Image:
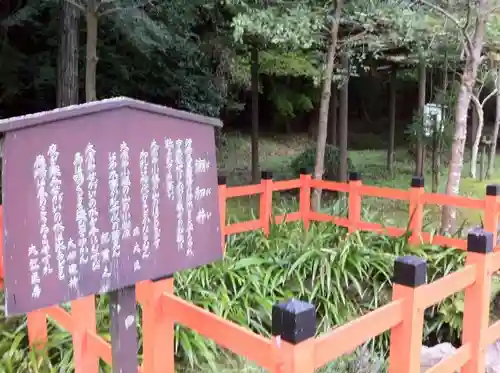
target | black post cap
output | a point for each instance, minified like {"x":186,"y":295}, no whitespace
{"x":417,"y":182}
{"x":304,"y":171}
{"x":354,"y":176}
{"x":410,"y":271}
{"x":493,"y":190}
{"x":221,"y":179}
{"x":480,"y":241}
{"x":266,"y":175}
{"x":294,"y":321}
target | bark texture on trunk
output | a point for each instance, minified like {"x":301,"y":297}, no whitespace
{"x":392,"y":121}
{"x":324,"y":105}
{"x":343,"y":120}
{"x":474,"y":121}
{"x":478,"y":109}
{"x":67,"y":59}
{"x":496,"y":128}
{"x":469,"y":75}
{"x":419,"y":164}
{"x":333,"y":115}
{"x":255,"y":114}
{"x":91,"y":58}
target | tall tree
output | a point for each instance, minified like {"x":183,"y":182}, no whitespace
{"x":496,"y":128}
{"x":325,"y":102}
{"x":258,"y":26}
{"x":67,"y":59}
{"x":255,"y":114}
{"x":473,"y":45}
{"x":478,"y":107}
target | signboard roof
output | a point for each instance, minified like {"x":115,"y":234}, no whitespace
{"x":68,"y":112}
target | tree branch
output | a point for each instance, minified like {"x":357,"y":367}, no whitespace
{"x":493,"y":10}
{"x":492,"y":93}
{"x":477,"y":104}
{"x":117,"y":8}
{"x":77,"y":4}
{"x":463,"y":30}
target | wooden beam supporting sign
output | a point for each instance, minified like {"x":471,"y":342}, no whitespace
{"x":123,"y":312}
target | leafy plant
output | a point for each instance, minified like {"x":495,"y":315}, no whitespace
{"x":332,"y":161}
{"x":343,"y":275}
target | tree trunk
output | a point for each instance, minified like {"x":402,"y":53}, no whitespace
{"x":419,"y":165}
{"x":478,"y":108}
{"x":392,"y":120}
{"x":324,"y":105}
{"x":343,"y":120}
{"x":473,"y":59}
{"x":494,"y":136}
{"x":255,"y":114}
{"x":474,"y":122}
{"x":67,"y":59}
{"x":91,"y":61}
{"x":333,"y":115}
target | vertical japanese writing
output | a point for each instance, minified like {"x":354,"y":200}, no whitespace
{"x":36,"y":289}
{"x":200,"y":193}
{"x":169,"y":145}
{"x":81,"y":214}
{"x":202,"y":216}
{"x":155,"y":192}
{"x":92,"y":212}
{"x":188,"y":153}
{"x":144,"y":167}
{"x":179,"y":169}
{"x":57,"y":198}
{"x":114,"y":207}
{"x":40,"y":176}
{"x":73,"y":269}
{"x":125,"y":190}
{"x":201,"y":165}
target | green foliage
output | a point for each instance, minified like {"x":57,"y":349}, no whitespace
{"x":284,"y":23}
{"x":343,"y":275}
{"x":307,"y":160}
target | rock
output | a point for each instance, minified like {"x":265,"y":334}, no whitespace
{"x":493,"y":358}
{"x":430,"y":356}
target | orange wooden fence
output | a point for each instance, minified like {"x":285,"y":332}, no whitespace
{"x":293,"y":347}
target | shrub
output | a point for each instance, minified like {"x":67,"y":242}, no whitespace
{"x":343,"y":275}
{"x":307,"y":159}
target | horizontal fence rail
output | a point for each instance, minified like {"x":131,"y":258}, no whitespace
{"x":294,"y":346}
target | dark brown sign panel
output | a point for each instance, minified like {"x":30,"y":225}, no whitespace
{"x":100,"y":196}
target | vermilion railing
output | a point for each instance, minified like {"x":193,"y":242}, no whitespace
{"x":293,"y":347}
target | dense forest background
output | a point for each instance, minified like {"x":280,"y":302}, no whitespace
{"x":187,"y":59}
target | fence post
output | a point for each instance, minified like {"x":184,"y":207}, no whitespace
{"x":410,"y":272}
{"x":222,"y":186}
{"x":37,"y":329}
{"x":354,"y":213}
{"x":305,"y":197}
{"x":84,"y":317}
{"x":158,"y":328}
{"x":491,"y":210}
{"x":293,"y":329}
{"x":477,"y":300}
{"x":266,"y":200}
{"x":416,"y":209}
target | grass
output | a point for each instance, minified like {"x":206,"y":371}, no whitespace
{"x":277,"y":152}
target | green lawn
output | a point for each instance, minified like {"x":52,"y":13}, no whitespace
{"x":276,"y":153}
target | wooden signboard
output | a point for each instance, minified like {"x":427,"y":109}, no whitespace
{"x":100,"y":196}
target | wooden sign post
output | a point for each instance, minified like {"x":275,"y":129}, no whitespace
{"x":100,"y":196}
